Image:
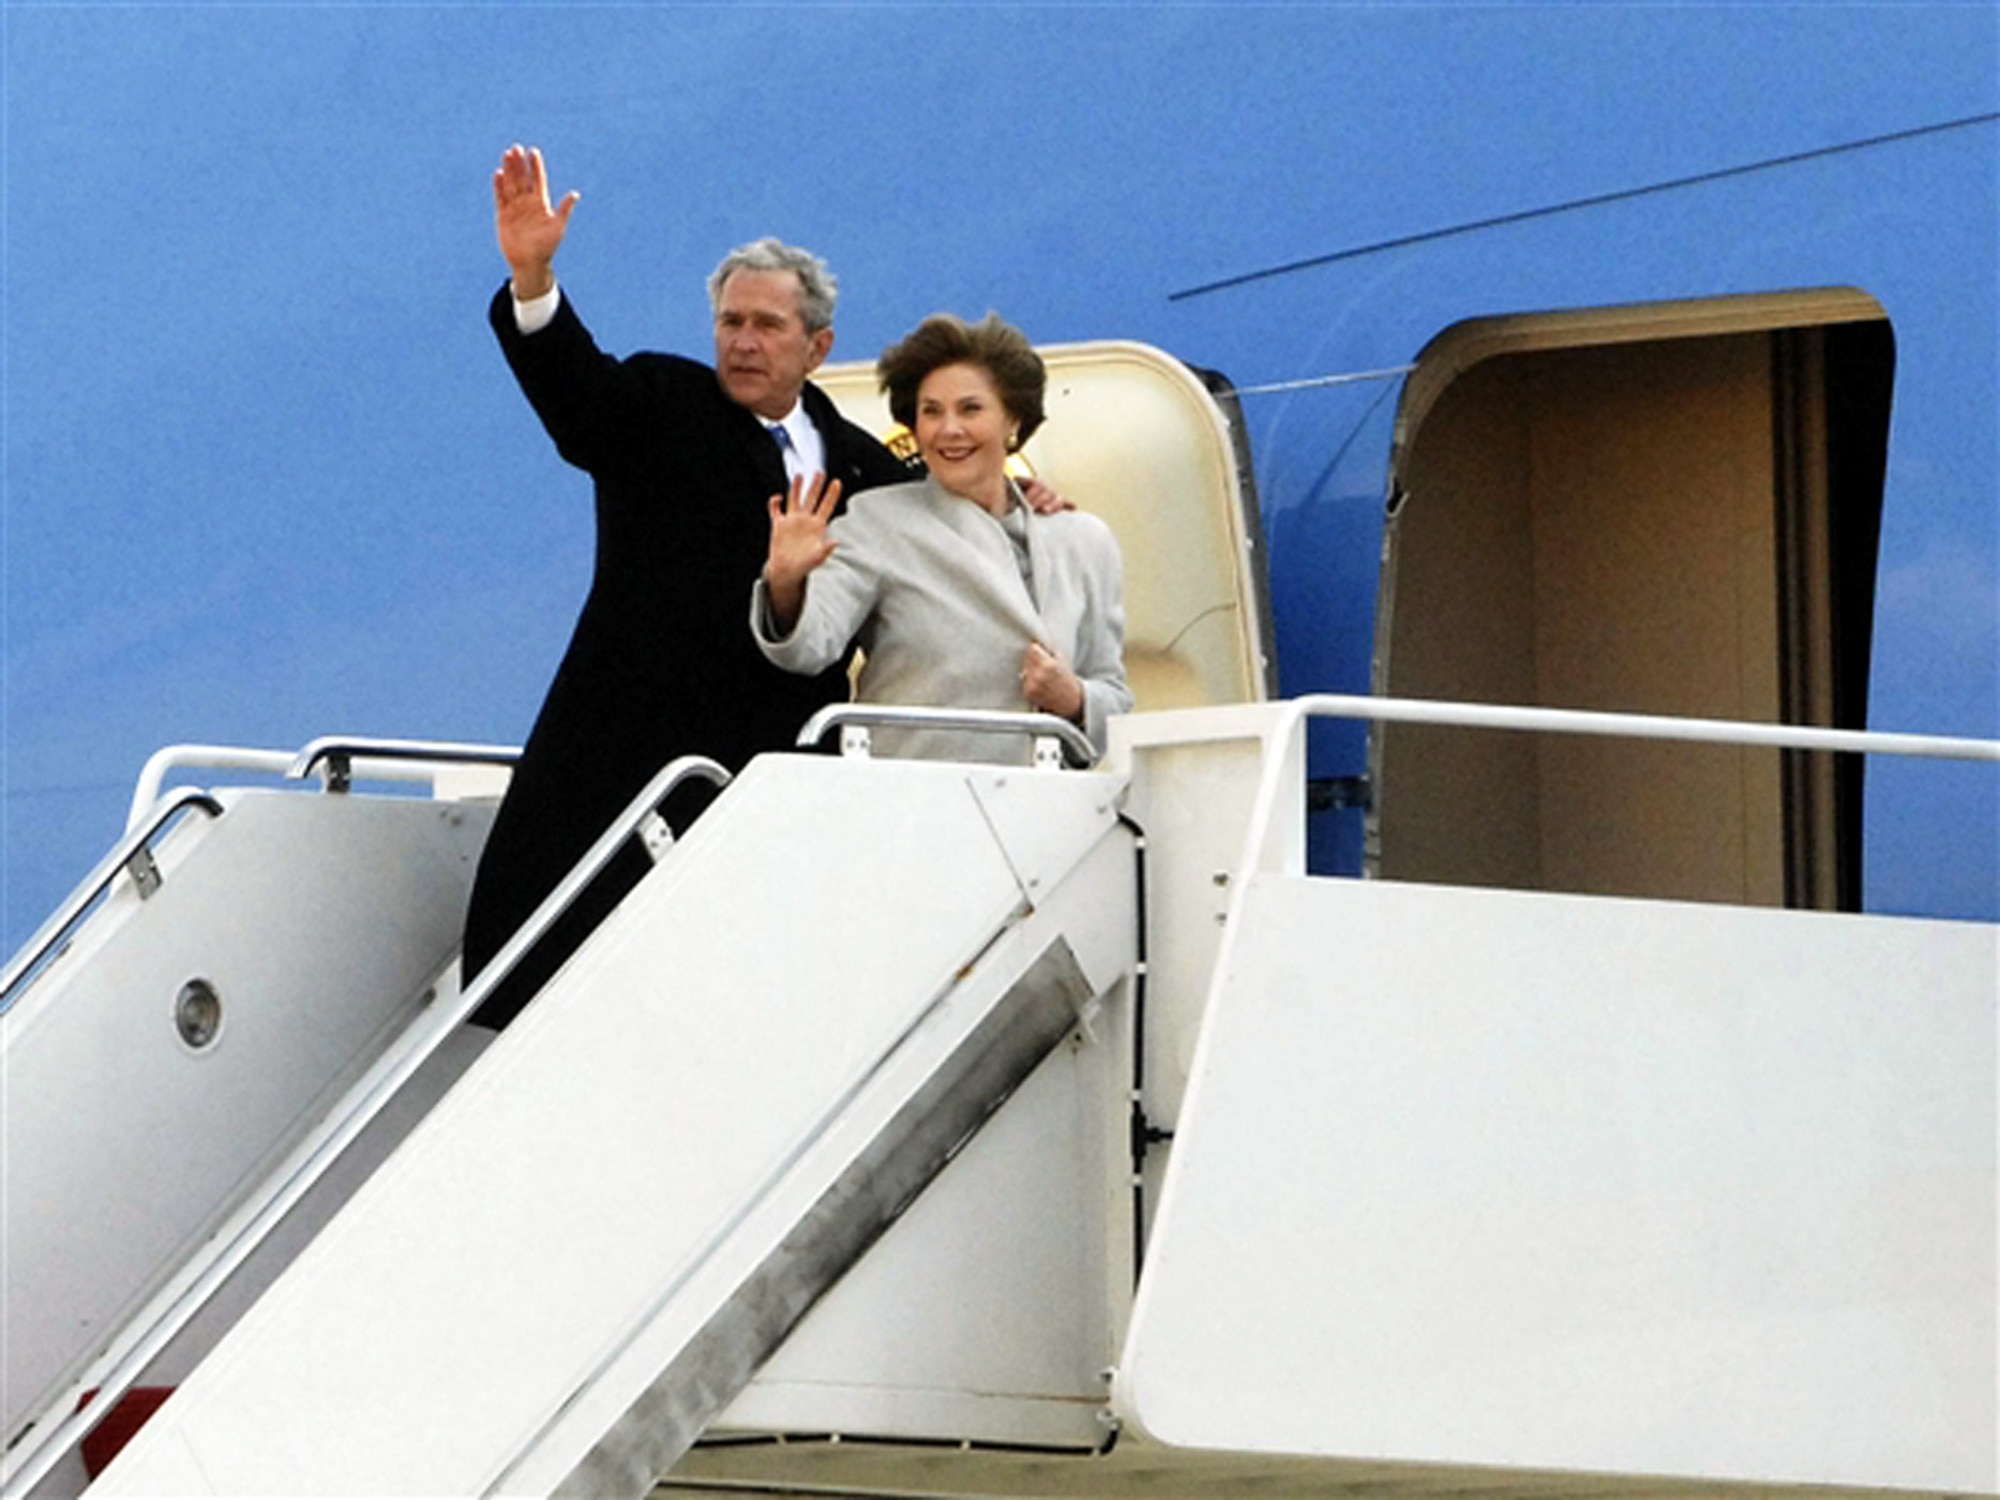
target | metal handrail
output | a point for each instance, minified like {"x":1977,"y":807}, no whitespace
{"x":25,"y":1469}
{"x":170,"y":758}
{"x":1294,"y":713}
{"x":1078,"y":751}
{"x":1640,"y":726}
{"x":341,"y":751}
{"x":387,"y":760}
{"x":123,"y":855}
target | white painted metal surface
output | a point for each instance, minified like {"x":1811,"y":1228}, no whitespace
{"x":1624,"y":1221}
{"x":991,"y":1310}
{"x":320,"y":923}
{"x":510,"y":1266}
{"x":1202,"y":788}
{"x":258,"y":1238}
{"x":1485,"y":1178}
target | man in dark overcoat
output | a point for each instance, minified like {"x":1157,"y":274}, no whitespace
{"x":684,"y":458}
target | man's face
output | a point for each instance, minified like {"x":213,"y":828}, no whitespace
{"x":763,"y":352}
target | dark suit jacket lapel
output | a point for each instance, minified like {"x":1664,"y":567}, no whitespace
{"x":762,"y":451}
{"x":834,"y":433}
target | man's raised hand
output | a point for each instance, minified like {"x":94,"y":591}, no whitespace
{"x":529,"y":230}
{"x":1043,"y":500}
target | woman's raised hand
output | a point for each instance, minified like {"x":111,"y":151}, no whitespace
{"x":799,"y":544}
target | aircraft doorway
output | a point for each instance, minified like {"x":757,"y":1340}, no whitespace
{"x":1670,"y":509}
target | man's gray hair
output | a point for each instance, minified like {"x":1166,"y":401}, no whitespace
{"x":817,"y":286}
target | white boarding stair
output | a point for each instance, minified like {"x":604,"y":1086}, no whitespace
{"x":585,"y":1251}
{"x":177,"y":1033}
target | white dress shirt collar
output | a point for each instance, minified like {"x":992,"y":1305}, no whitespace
{"x":806,"y":453}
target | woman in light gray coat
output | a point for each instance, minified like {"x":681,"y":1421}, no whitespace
{"x":958,"y":593}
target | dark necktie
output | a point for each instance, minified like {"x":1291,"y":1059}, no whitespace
{"x":788,"y":451}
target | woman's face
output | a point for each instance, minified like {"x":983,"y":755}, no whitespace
{"x":962,"y":432}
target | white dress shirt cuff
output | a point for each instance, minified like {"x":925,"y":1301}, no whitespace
{"x":537,"y":313}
